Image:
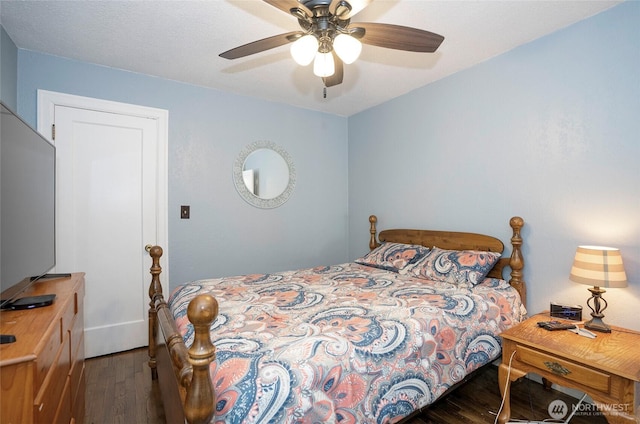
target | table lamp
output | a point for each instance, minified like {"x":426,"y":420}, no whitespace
{"x":598,"y":267}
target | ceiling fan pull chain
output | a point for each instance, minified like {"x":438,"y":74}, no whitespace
{"x":324,"y":92}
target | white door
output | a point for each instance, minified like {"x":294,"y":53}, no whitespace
{"x":108,"y":209}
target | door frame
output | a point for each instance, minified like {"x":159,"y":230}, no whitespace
{"x":48,"y":100}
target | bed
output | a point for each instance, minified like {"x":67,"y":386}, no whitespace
{"x":374,"y":340}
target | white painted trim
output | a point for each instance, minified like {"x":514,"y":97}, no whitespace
{"x":48,"y":100}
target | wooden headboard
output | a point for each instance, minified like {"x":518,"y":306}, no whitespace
{"x":453,"y":240}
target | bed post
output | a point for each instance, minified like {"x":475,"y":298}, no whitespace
{"x":516,"y":262}
{"x":201,"y":399}
{"x":373,"y":241}
{"x":155,"y":288}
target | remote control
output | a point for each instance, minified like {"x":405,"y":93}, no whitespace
{"x":555,"y":325}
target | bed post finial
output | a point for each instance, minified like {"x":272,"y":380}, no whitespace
{"x":516,"y":263}
{"x":200,"y":399}
{"x":373,"y":241}
{"x":155,"y":288}
{"x":156,"y":253}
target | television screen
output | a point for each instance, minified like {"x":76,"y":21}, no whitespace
{"x":27,"y":205}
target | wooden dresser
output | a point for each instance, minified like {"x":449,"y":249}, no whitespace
{"x":42,"y":373}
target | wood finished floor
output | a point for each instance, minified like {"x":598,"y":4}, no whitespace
{"x":120,"y":390}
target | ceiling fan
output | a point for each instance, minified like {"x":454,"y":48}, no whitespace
{"x":327,"y":38}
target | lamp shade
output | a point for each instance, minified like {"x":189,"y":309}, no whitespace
{"x":323,"y":65}
{"x":304,"y":49}
{"x":347,"y":48}
{"x":598,"y":266}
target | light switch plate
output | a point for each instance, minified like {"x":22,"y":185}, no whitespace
{"x":185,"y":211}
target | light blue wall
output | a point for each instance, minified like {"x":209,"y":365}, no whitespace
{"x":8,"y":70}
{"x":549,"y":131}
{"x":559,"y":117}
{"x":207,"y":130}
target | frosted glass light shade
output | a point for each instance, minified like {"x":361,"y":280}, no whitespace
{"x":324,"y":65}
{"x":598,"y":266}
{"x":304,"y":49}
{"x":347,"y":48}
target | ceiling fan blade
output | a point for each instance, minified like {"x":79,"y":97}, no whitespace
{"x":346,"y":9}
{"x":287,"y":5}
{"x":336,"y":78}
{"x":261,"y":45}
{"x":399,"y":37}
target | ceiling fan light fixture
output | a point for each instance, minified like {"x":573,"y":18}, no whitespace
{"x":324,"y":65}
{"x":304,"y":49}
{"x":347,"y":48}
{"x":325,"y":28}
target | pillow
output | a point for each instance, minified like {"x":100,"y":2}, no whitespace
{"x":393,"y":256}
{"x":454,"y":266}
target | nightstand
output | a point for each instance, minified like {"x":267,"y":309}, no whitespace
{"x":606,"y":368}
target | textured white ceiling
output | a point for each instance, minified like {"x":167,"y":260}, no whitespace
{"x":181,"y":40}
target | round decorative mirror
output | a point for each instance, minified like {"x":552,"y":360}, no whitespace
{"x":264,"y":174}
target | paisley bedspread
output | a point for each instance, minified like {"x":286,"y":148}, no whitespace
{"x":345,"y":343}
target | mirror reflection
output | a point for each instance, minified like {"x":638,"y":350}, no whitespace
{"x":264,"y":174}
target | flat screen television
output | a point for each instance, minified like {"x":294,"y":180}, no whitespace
{"x":27,"y":205}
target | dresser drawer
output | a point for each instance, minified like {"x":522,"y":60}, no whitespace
{"x":77,"y":337}
{"x":77,"y":367}
{"x":597,"y":380}
{"x":63,"y":414}
{"x":47,"y":356}
{"x":78,"y":393}
{"x":78,"y":407}
{"x":72,"y":310}
{"x":47,"y":400}
{"x":68,"y":316}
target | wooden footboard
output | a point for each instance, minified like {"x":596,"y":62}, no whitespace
{"x":183,"y":375}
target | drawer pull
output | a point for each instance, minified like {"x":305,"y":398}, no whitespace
{"x":556,"y":368}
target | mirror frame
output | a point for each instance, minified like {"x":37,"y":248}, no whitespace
{"x":242,"y":189}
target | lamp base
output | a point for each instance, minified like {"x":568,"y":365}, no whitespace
{"x":597,"y":324}
{"x":599,"y":305}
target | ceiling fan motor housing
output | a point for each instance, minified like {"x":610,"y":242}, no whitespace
{"x":312,"y":4}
